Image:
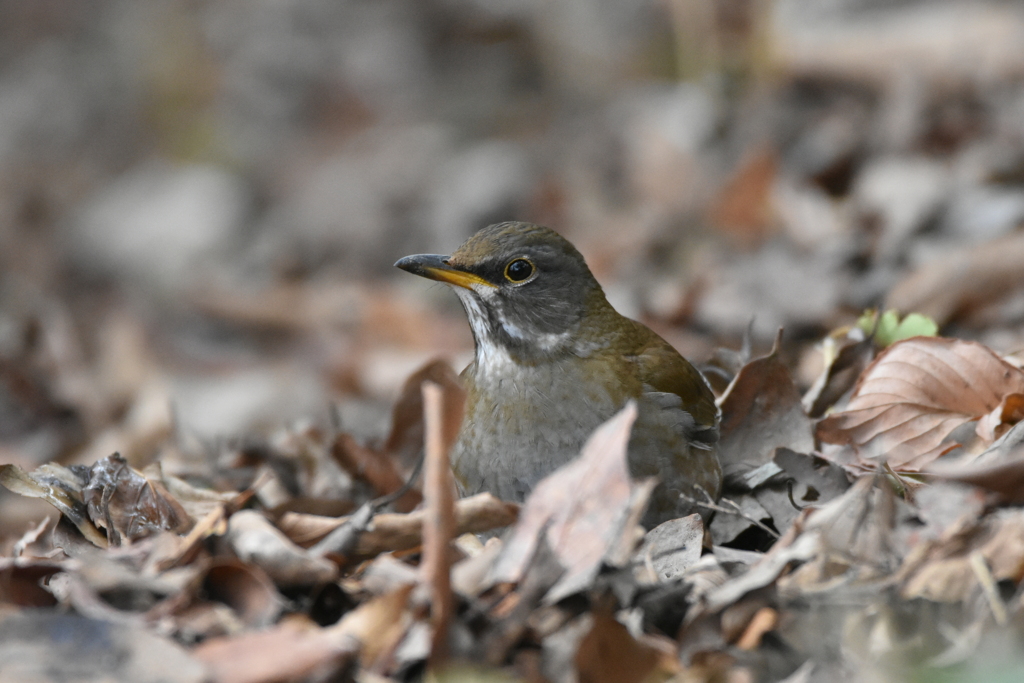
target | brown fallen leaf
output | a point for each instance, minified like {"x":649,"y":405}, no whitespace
{"x":375,"y":468}
{"x":743,"y":208}
{"x":581,"y":508}
{"x":1003,"y":476}
{"x":245,"y":588}
{"x":761,"y":411}
{"x":405,"y":441}
{"x":386,"y":469}
{"x":854,"y":538}
{"x":848,"y":362}
{"x":671,"y":548}
{"x":763,"y":621}
{"x":127,"y":504}
{"x":1009,"y":412}
{"x":377,"y":626}
{"x":20,"y":581}
{"x":110,"y":495}
{"x":214,"y":523}
{"x":912,"y":397}
{"x":610,"y":654}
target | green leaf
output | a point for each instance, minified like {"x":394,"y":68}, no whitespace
{"x":885,"y":334}
{"x":889,"y":329}
{"x":916,"y":325}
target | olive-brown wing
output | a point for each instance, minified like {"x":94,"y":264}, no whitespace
{"x":664,"y":369}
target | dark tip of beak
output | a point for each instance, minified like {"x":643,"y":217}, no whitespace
{"x":417,"y":264}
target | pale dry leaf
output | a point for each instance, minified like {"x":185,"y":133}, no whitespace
{"x":996,"y":423}
{"x":1000,"y":469}
{"x":60,"y":488}
{"x":580,"y":507}
{"x":672,"y":547}
{"x":376,"y":626}
{"x":254,"y":539}
{"x":285,"y":652}
{"x":912,"y":397}
{"x":42,"y":645}
{"x":947,"y":576}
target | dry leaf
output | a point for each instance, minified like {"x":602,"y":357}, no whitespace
{"x":949,"y":576}
{"x":761,"y":411}
{"x":20,"y":581}
{"x":286,"y":652}
{"x":915,"y":394}
{"x":128,"y":504}
{"x":59,"y":487}
{"x":996,"y":423}
{"x":1004,"y":478}
{"x":581,"y":507}
{"x":672,"y":547}
{"x":254,"y":539}
{"x":377,"y":625}
{"x":375,"y":468}
{"x":405,"y":442}
{"x":841,"y":374}
{"x":609,"y":654}
{"x":37,"y":645}
{"x":245,"y":588}
{"x":743,"y":208}
{"x":947,"y":286}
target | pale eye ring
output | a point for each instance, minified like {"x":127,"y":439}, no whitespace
{"x":518,"y":270}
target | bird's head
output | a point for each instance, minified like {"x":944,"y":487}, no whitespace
{"x":526,"y":289}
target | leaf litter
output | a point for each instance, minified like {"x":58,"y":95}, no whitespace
{"x":839,"y":164}
{"x":248,"y":587}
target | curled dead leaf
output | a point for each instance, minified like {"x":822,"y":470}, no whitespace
{"x":245,"y":588}
{"x":912,"y":397}
{"x":59,"y":487}
{"x":254,"y":539}
{"x":127,"y":504}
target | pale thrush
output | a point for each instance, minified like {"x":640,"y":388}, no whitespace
{"x":553,"y":361}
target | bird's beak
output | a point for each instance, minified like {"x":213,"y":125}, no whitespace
{"x":435,"y":267}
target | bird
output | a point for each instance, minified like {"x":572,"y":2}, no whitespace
{"x":553,"y":360}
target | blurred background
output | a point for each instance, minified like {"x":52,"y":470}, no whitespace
{"x":201,"y":200}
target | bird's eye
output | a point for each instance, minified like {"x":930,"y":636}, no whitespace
{"x":518,"y":270}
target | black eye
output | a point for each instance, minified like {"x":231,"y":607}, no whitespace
{"x":518,"y":270}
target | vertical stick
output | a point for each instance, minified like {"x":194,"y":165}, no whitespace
{"x":439,"y":524}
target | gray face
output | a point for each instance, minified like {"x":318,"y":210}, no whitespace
{"x":540,"y":287}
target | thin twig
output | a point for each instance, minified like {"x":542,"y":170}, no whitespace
{"x":732,"y":509}
{"x":439,"y":524}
